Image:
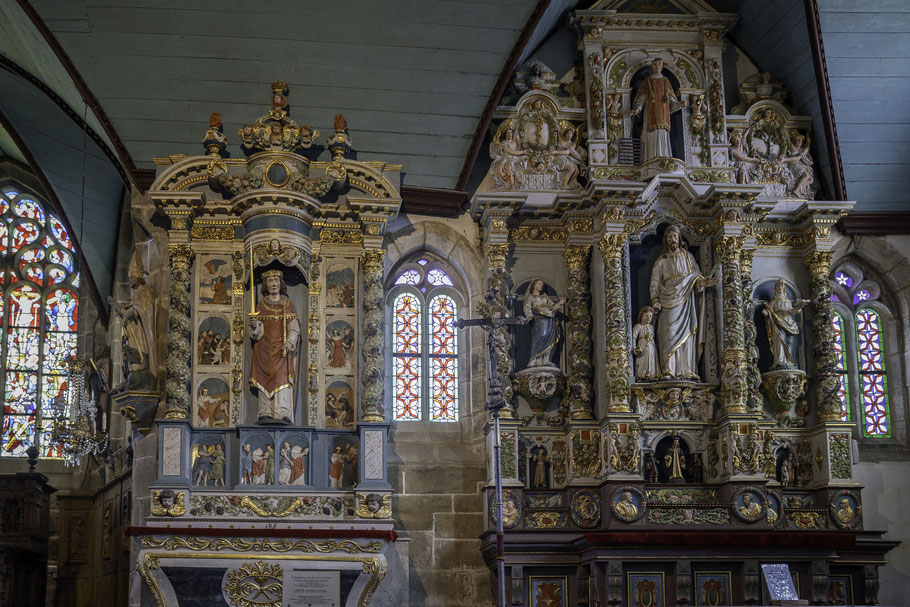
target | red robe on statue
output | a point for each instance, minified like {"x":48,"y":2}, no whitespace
{"x":270,"y":370}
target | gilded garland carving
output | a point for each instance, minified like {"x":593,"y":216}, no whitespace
{"x":827,"y":380}
{"x":313,"y":338}
{"x":340,"y":237}
{"x":202,"y":232}
{"x":538,"y":233}
{"x":734,"y":386}
{"x":617,"y":347}
{"x":371,"y":327}
{"x":177,"y":394}
{"x":218,"y":544}
{"x":754,"y":402}
{"x":495,"y":307}
{"x":596,"y":96}
{"x":579,"y":392}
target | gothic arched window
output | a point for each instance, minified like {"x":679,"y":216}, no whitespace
{"x":40,"y":311}
{"x":859,"y":327}
{"x":423,"y":305}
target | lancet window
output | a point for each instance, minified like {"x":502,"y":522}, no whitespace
{"x":40,"y":311}
{"x":859,"y":323}
{"x":424,"y":307}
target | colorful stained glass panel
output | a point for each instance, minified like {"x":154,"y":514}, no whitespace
{"x":442,"y":326}
{"x":61,"y":258}
{"x":22,"y":349}
{"x":53,"y":387}
{"x":24,"y":304}
{"x":407,"y":324}
{"x":55,"y":275}
{"x":24,"y":233}
{"x":62,"y":311}
{"x":60,"y":232}
{"x":26,"y":207}
{"x":437,"y":277}
{"x":407,"y":388}
{"x":408,"y":277}
{"x":443,"y":388}
{"x":843,"y":393}
{"x":46,"y":445}
{"x":18,"y":434}
{"x":58,"y":347}
{"x":872,"y":373}
{"x":21,"y":392}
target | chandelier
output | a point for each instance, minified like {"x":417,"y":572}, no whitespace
{"x":75,"y":418}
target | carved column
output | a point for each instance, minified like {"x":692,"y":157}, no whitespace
{"x":496,"y":255}
{"x":826,"y":376}
{"x":177,"y":395}
{"x":617,"y":341}
{"x":371,"y":326}
{"x":754,"y":402}
{"x":579,"y":391}
{"x":734,"y":387}
{"x":313,"y":339}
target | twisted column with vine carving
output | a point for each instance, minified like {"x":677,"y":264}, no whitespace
{"x":826,"y":376}
{"x":618,"y":370}
{"x":734,"y":383}
{"x":754,"y":403}
{"x":177,"y":393}
{"x":496,"y":255}
{"x":371,"y":405}
{"x":579,"y":390}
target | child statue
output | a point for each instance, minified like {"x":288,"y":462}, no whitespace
{"x":646,"y":363}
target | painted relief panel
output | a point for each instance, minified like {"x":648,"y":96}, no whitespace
{"x":209,"y":461}
{"x":339,"y":405}
{"x":339,"y":286}
{"x":257,"y":459}
{"x":213,"y":342}
{"x":213,"y":403}
{"x":343,"y":463}
{"x":293,"y":456}
{"x":339,"y":346}
{"x":215,"y":281}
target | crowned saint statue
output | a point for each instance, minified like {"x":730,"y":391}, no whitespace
{"x":780,"y":319}
{"x":656,"y":100}
{"x":275,"y":331}
{"x":675,"y":279}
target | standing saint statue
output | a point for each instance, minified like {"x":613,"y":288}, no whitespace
{"x":675,"y":278}
{"x":540,"y":310}
{"x":656,"y":98}
{"x":780,"y":319}
{"x":275,"y":331}
{"x":138,"y":318}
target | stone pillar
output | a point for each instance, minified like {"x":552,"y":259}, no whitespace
{"x":579,"y":391}
{"x":618,"y":369}
{"x":826,"y":376}
{"x":371,"y":405}
{"x":495,"y":255}
{"x":734,"y":388}
{"x":177,"y":395}
{"x":754,"y":403}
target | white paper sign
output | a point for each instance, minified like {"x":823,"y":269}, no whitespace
{"x":311,"y":588}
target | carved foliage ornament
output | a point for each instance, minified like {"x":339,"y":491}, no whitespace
{"x":255,"y":585}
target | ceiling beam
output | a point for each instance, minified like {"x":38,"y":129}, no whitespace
{"x":824,"y":98}
{"x":125,"y":160}
{"x":57,"y":208}
{"x":875,"y":223}
{"x":496,"y":95}
{"x":432,"y":201}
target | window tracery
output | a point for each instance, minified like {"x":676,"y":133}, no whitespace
{"x":425,"y":375}
{"x":865,"y":380}
{"x":40,"y":312}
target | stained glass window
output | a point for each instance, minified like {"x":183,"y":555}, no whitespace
{"x":866,"y":384}
{"x":843,"y":389}
{"x":407,"y":359}
{"x":874,"y":384}
{"x":40,"y":311}
{"x":443,"y":359}
{"x":425,"y":344}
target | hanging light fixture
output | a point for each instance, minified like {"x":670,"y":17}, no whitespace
{"x":75,"y":428}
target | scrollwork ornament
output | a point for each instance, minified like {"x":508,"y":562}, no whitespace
{"x":255,"y":585}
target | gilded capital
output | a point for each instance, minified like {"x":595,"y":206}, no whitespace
{"x":819,"y":262}
{"x":728,"y":248}
{"x":181,"y":254}
{"x":496,"y":255}
{"x":611,"y":245}
{"x":372,"y":260}
{"x":577,"y":256}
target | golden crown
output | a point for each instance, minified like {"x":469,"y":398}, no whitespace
{"x":271,"y":273}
